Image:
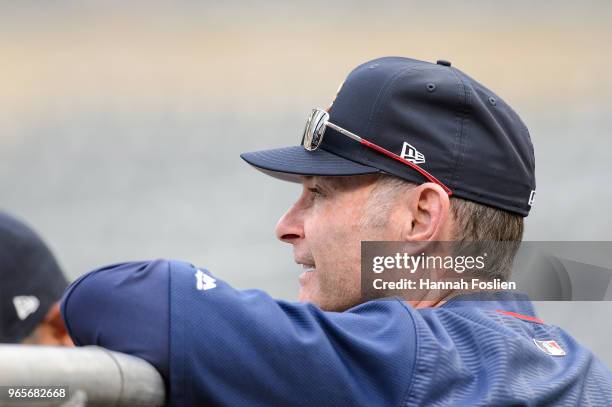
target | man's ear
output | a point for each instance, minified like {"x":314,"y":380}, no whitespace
{"x":429,"y":208}
{"x":58,"y":330}
{"x":51,"y":331}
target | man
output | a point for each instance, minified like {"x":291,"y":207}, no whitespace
{"x":409,"y":151}
{"x":31,"y":284}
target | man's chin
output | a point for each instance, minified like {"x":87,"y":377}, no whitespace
{"x":326,"y":304}
{"x":305,"y":296}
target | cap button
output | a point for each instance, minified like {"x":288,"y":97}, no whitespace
{"x":443,"y":62}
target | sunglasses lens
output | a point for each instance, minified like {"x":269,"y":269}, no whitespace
{"x":315,"y":127}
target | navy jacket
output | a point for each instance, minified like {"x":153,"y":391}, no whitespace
{"x":215,"y":345}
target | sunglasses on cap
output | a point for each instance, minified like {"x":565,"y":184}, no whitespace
{"x":318,"y":122}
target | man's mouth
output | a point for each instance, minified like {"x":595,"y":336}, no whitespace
{"x":309,"y":272}
{"x":308,"y":268}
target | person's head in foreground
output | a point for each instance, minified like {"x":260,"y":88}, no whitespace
{"x":31,"y":285}
{"x":408,"y":151}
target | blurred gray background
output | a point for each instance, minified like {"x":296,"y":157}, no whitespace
{"x":121,"y":124}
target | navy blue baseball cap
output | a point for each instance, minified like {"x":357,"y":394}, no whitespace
{"x":431,"y":115}
{"x":31,"y":280}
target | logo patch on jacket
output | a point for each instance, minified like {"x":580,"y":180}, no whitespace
{"x":204,"y":281}
{"x":551,"y":348}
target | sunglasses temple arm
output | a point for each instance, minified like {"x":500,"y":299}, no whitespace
{"x":391,"y":155}
{"x":345,"y":132}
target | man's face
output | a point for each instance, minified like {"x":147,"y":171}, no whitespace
{"x":326,"y":226}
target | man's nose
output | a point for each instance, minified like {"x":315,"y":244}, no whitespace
{"x":290,"y":227}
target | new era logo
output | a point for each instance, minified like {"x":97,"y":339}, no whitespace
{"x":531,"y":198}
{"x":412,"y":154}
{"x":25,"y":305}
{"x":551,"y":348}
{"x":204,"y":281}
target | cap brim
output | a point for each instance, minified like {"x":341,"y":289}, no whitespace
{"x":292,"y":163}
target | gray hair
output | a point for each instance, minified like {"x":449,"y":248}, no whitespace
{"x":473,"y":222}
